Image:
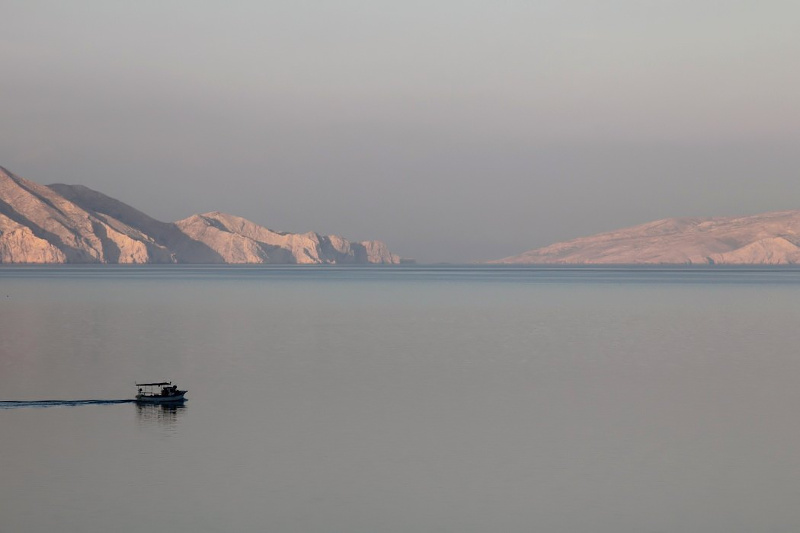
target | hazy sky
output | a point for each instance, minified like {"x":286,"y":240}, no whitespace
{"x":452,"y":130}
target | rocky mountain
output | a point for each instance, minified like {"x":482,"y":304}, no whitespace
{"x":238,"y":240}
{"x":765,"y":239}
{"x":74,"y":224}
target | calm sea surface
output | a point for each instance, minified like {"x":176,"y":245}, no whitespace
{"x":407,"y":399}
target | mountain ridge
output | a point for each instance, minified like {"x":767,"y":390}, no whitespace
{"x":61,"y":223}
{"x":771,"y":238}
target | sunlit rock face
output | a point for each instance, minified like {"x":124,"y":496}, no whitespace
{"x":39,"y":225}
{"x":765,"y":239}
{"x":18,"y":244}
{"x":74,"y":224}
{"x":238,"y":240}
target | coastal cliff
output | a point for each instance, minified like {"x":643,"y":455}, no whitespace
{"x":74,"y":224}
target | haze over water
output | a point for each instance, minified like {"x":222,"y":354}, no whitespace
{"x":458,"y":399}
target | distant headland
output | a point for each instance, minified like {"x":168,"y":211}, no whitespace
{"x":74,"y":224}
{"x":765,"y":239}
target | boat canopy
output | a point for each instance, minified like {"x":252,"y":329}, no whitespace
{"x":154,"y":384}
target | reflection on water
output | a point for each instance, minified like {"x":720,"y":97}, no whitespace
{"x":163,"y":414}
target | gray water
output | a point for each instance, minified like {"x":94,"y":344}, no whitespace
{"x":370,"y":400}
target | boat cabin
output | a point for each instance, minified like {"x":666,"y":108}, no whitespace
{"x":159,"y":392}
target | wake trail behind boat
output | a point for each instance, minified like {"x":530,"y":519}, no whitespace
{"x":13,"y":404}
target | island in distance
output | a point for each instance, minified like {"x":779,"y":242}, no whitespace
{"x":74,"y":224}
{"x":765,"y":239}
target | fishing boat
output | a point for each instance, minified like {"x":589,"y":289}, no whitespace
{"x":161,"y":392}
